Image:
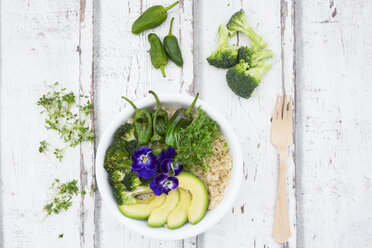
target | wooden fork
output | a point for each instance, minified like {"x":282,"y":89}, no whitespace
{"x":281,"y":137}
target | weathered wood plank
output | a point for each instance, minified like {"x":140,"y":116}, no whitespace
{"x":87,"y":154}
{"x":250,"y":220}
{"x":39,"y":41}
{"x":334,"y":100}
{"x":289,"y":67}
{"x":39,"y":46}
{"x":123,"y":67}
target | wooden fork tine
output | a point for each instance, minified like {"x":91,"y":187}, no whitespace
{"x":280,"y":117}
{"x":275,"y":115}
{"x":290,"y":108}
{"x":285,"y":108}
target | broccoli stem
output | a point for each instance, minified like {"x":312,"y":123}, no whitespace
{"x":223,"y":33}
{"x":126,"y":164}
{"x":171,"y":6}
{"x":259,"y":70}
{"x":258,"y":42}
{"x":232,"y":33}
{"x":262,"y":54}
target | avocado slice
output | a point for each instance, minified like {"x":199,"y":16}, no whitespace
{"x":199,"y":196}
{"x":143,"y":209}
{"x":159,"y":215}
{"x":178,"y":216}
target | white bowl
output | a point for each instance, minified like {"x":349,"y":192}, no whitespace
{"x":212,"y":217}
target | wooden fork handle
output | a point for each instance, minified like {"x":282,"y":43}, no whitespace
{"x":281,"y":230}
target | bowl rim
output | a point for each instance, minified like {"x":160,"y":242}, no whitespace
{"x":215,"y":215}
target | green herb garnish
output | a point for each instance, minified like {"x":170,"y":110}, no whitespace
{"x":62,"y":194}
{"x":60,"y":236}
{"x":66,"y":117}
{"x":59,"y":152}
{"x":43,"y":146}
{"x":194,"y":143}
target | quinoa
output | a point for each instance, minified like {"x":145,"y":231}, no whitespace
{"x":217,"y":177}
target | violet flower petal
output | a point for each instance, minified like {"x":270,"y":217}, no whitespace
{"x":160,"y":180}
{"x":178,"y":169}
{"x":155,"y":188}
{"x":146,"y":173}
{"x":139,"y":151}
{"x":172,"y":183}
{"x":144,"y":158}
{"x":169,"y":153}
{"x":136,"y":165}
{"x":151,"y":162}
{"x":166,"y":190}
{"x":165,"y":165}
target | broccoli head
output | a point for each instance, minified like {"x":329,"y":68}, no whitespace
{"x":131,"y":181}
{"x":122,"y":196}
{"x":131,"y":146}
{"x":125,"y":132}
{"x":118,"y":155}
{"x":224,"y":56}
{"x":252,"y":56}
{"x":117,"y":176}
{"x":243,"y":80}
{"x":238,"y":22}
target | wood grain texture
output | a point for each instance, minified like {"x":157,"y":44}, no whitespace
{"x":334,"y":123}
{"x":39,"y":42}
{"x":87,"y":150}
{"x":323,"y":56}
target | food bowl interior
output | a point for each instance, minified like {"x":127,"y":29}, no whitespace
{"x":212,"y":216}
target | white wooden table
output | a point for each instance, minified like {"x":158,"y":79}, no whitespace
{"x":323,"y":57}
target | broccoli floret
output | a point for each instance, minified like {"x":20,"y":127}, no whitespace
{"x":125,"y":132}
{"x":238,"y":22}
{"x":243,"y":80}
{"x":252,"y":57}
{"x":122,"y":196}
{"x":224,"y":56}
{"x":118,"y":155}
{"x":131,"y":181}
{"x":131,"y":146}
{"x":117,"y":176}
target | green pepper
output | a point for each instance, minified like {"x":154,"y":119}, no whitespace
{"x":142,"y":124}
{"x":158,"y":56}
{"x":172,"y":48}
{"x":157,"y":141}
{"x":151,"y":18}
{"x":161,"y":116}
{"x":180,"y":119}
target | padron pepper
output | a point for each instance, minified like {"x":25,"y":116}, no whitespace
{"x":157,"y":53}
{"x":142,"y":124}
{"x":160,"y":116}
{"x":157,"y":141}
{"x":151,"y":18}
{"x":180,"y":119}
{"x":172,"y":48}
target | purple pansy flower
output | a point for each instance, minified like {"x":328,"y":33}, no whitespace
{"x":167,"y":164}
{"x":163,"y":184}
{"x":169,"y":153}
{"x":144,"y":162}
